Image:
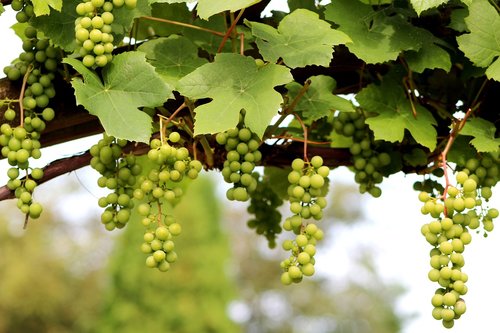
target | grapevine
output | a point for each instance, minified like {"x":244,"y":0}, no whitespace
{"x":234,"y":78}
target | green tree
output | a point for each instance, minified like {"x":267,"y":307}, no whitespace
{"x":50,"y":281}
{"x":193,"y":296}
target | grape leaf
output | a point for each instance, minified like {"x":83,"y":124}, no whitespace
{"x":124,"y":18}
{"x":429,"y":56}
{"x":59,"y":26}
{"x":1,"y":9}
{"x":295,"y":42}
{"x":172,"y":57}
{"x":394,"y":114}
{"x":207,"y":8}
{"x":318,"y":101}
{"x":234,"y":82}
{"x":482,"y":44}
{"x":423,"y":5}
{"x":211,"y":42}
{"x":42,"y":7}
{"x":128,"y":82}
{"x":483,"y":132}
{"x":176,"y":12}
{"x":376,"y":37}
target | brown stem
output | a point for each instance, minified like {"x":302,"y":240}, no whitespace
{"x":230,"y":30}
{"x":457,"y":127}
{"x":182,"y":24}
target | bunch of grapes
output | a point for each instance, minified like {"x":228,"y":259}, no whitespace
{"x":24,"y":9}
{"x":307,"y":200}
{"x":119,"y":174}
{"x":93,"y":30}
{"x":242,"y":146}
{"x":37,"y":65}
{"x":367,"y":162}
{"x":461,"y":211}
{"x":171,"y":166}
{"x":264,"y":203}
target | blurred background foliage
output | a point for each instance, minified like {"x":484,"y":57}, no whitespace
{"x":65,"y":273}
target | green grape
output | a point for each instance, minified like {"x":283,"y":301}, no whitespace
{"x":237,"y":168}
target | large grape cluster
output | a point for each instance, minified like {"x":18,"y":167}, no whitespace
{"x":37,"y":65}
{"x":160,"y":185}
{"x":306,"y":194}
{"x":242,"y":147}
{"x":93,"y":30}
{"x":367,"y":162}
{"x":119,"y":173}
{"x":264,"y":203}
{"x":461,"y":211}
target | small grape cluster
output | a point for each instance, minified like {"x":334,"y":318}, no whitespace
{"x":24,"y":9}
{"x":93,"y":30}
{"x":264,"y":203}
{"x":18,"y":145}
{"x":159,"y":246}
{"x":367,"y":162}
{"x":307,"y":200}
{"x":118,"y":173}
{"x":484,"y":171}
{"x":461,"y":211}
{"x":242,"y":146}
{"x":171,"y":166}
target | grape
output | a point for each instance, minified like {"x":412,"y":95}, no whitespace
{"x":368,"y":162}
{"x":307,"y":180}
{"x":449,"y":232}
{"x":238,"y":143}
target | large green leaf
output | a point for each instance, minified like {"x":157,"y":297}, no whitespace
{"x":318,"y":101}
{"x":129,"y":82}
{"x":59,"y":26}
{"x":296,"y":42}
{"x":234,"y":82}
{"x":173,"y":57}
{"x":395,"y":114}
{"x":1,"y":9}
{"x":42,"y":7}
{"x":423,"y":5}
{"x":482,"y":44}
{"x":207,"y":8}
{"x":376,"y":37}
{"x":483,"y":132}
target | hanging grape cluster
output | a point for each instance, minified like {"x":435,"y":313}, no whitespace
{"x":464,"y":209}
{"x":119,"y":173}
{"x":36,"y":67}
{"x":306,"y":194}
{"x":93,"y":30}
{"x":264,"y":204}
{"x":242,"y":147}
{"x":367,"y":161}
{"x":158,"y":191}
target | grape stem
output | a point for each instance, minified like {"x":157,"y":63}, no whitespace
{"x":288,"y":110}
{"x":304,"y":129}
{"x":182,"y":24}
{"x":21,"y":95}
{"x":230,"y":30}
{"x":457,"y":127}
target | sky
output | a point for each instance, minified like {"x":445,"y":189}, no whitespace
{"x":391,"y":228}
